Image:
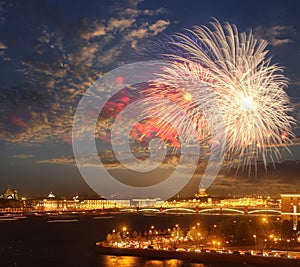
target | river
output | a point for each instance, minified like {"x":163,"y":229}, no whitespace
{"x":70,"y":241}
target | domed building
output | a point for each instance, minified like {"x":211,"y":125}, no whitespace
{"x":10,"y":194}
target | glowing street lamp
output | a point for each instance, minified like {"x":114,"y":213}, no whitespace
{"x":287,"y":247}
{"x":254,"y":236}
{"x":124,"y":229}
{"x":266,"y":242}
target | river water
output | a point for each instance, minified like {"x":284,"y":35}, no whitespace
{"x":55,"y":241}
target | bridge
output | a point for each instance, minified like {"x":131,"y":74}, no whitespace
{"x":209,"y":210}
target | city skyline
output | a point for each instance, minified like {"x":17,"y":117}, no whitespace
{"x":51,"y":54}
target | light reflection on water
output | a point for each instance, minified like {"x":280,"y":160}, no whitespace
{"x":125,"y":261}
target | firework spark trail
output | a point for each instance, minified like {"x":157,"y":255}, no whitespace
{"x":178,"y":77}
{"x":248,"y":88}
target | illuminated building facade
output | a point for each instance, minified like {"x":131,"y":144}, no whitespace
{"x":146,"y":202}
{"x":91,"y":204}
{"x":244,"y":202}
{"x":290,"y":208}
{"x":75,"y":204}
{"x":10,"y":194}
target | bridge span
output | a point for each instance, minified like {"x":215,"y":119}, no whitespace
{"x":209,"y":210}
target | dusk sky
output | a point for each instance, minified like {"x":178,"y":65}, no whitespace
{"x":51,"y":52}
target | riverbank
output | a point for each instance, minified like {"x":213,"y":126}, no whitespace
{"x":205,"y":258}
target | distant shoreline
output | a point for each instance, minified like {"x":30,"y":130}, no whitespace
{"x":197,"y":257}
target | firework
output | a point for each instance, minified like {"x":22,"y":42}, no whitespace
{"x":183,"y":84}
{"x":247,"y":88}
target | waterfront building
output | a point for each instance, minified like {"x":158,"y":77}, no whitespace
{"x":146,"y":202}
{"x":10,"y":194}
{"x":51,"y":195}
{"x":75,"y":204}
{"x":90,"y":204}
{"x":55,"y":205}
{"x":290,"y":208}
{"x":202,"y":195}
{"x":244,"y":202}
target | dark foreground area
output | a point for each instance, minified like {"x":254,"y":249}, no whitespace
{"x":36,"y":241}
{"x":58,"y":241}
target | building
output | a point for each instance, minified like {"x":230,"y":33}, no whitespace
{"x":10,"y":194}
{"x":244,"y":202}
{"x":203,"y":196}
{"x":146,"y":202}
{"x":91,"y":204}
{"x":290,"y":208}
{"x":75,"y":204}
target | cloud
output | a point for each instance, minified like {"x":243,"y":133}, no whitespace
{"x":98,"y":29}
{"x":159,"y":11}
{"x":277,"y":35}
{"x":279,"y":42}
{"x":65,"y":64}
{"x":159,"y":26}
{"x":120,"y":24}
{"x":296,"y":83}
{"x":58,"y":160}
{"x":110,"y":162}
{"x":22,"y":156}
{"x":3,"y":9}
{"x":137,"y":33}
{"x":53,"y":70}
{"x":133,"y":3}
{"x":3,"y":46}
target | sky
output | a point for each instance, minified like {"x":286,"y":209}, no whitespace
{"x":51,"y":52}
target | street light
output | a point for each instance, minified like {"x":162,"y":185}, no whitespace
{"x":198,"y":234}
{"x":265,"y":244}
{"x":287,"y":247}
{"x":254,"y":236}
{"x":124,"y":229}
